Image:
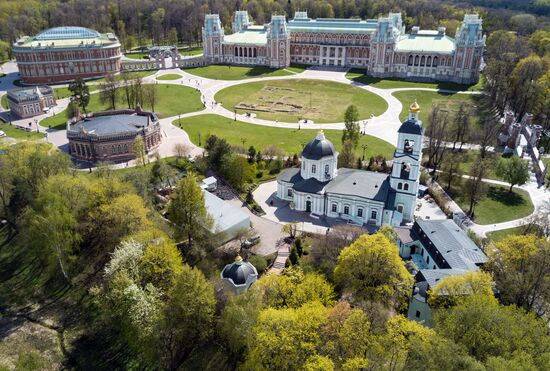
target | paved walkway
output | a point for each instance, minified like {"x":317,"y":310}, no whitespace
{"x":283,"y":252}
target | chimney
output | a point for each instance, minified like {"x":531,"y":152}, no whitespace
{"x":508,"y":117}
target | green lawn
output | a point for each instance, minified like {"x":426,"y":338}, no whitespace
{"x":171,"y":100}
{"x":297,"y":68}
{"x":19,"y":134}
{"x":170,"y":76}
{"x":64,"y":92}
{"x":224,"y":72}
{"x":426,"y":99}
{"x":290,"y":100}
{"x":499,"y":205}
{"x":499,"y":235}
{"x":358,"y":75}
{"x":187,"y":52}
{"x":4,"y":102}
{"x":290,"y":140}
{"x":119,"y":76}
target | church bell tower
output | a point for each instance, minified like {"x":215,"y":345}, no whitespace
{"x":405,"y":176}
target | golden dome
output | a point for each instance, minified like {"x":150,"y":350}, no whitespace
{"x":238,"y":258}
{"x":414,"y":107}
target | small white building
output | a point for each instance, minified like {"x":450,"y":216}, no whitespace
{"x":358,"y":196}
{"x":228,"y":220}
{"x":209,"y":184}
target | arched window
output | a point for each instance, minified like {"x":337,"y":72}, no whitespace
{"x":399,"y":185}
{"x":236,"y":52}
{"x":360,"y":212}
{"x":435,"y":61}
{"x":429,"y":61}
{"x":416,"y":60}
{"x":406,"y":187}
{"x":255,"y":52}
{"x":313,"y":169}
{"x":326,"y":169}
{"x":246,"y":52}
{"x":240,"y":51}
{"x":346,"y":209}
{"x":400,"y":208}
{"x":422,"y":61}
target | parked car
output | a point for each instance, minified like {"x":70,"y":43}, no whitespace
{"x":251,"y":241}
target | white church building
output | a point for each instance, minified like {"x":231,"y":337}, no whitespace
{"x":362,"y":197}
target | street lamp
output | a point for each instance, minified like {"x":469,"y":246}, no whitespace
{"x":364,"y":127}
{"x":243,"y":141}
{"x":36,"y":123}
{"x":364,"y":146}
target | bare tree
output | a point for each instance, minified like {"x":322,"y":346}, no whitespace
{"x":128,"y":90}
{"x":474,"y":187}
{"x":182,"y":150}
{"x":150,"y":94}
{"x":436,"y":132}
{"x":461,"y":125}
{"x":347,"y":157}
{"x":109,"y":91}
{"x":450,"y":169}
{"x":486,"y":135}
{"x":137,"y":89}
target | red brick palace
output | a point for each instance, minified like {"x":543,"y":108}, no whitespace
{"x":63,"y":53}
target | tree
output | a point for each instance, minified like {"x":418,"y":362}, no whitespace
{"x":451,"y":170}
{"x":523,"y":81}
{"x":188,"y":316}
{"x":347,"y":157}
{"x":237,"y":171}
{"x":351,"y":130}
{"x":520,"y":265}
{"x":513,"y":170}
{"x":150,"y":93}
{"x":487,"y":329}
{"x":173,"y":36}
{"x":284,"y":339}
{"x":181,"y":150}
{"x":474,"y":189}
{"x":251,"y":154}
{"x":139,"y":150}
{"x":128,"y":89}
{"x":109,"y":91}
{"x":80,"y":93}
{"x":371,"y":269}
{"x":188,"y":211}
{"x":162,"y":171}
{"x":451,"y":290}
{"x":461,"y":125}
{"x":437,"y":135}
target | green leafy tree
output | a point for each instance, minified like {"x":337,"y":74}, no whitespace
{"x":139,"y":150}
{"x":347,"y":158}
{"x":188,"y":317}
{"x":80,"y":93}
{"x":351,"y":130}
{"x":237,"y":171}
{"x":513,"y":170}
{"x":452,"y":289}
{"x":371,"y":269}
{"x":188,"y":210}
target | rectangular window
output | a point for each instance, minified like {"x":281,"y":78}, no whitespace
{"x":313,"y":169}
{"x":289,"y":192}
{"x":334,"y":208}
{"x":373,"y":214}
{"x":417,"y":314}
{"x":346,"y":210}
{"x":360,"y":212}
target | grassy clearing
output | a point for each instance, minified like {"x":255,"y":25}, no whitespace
{"x":187,"y":52}
{"x":499,"y":205}
{"x":224,"y":72}
{"x":358,"y":75}
{"x":297,"y":68}
{"x":171,"y":100}
{"x":20,"y":134}
{"x":290,"y":100}
{"x":169,"y":76}
{"x":502,"y":234}
{"x":290,"y":140}
{"x":426,"y":99}
{"x":4,"y":102}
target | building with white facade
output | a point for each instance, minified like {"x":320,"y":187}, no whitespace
{"x":362,"y":197}
{"x":437,"y":249}
{"x":380,"y":46}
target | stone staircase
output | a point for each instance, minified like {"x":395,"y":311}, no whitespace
{"x":282,"y":255}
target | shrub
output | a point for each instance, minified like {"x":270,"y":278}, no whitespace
{"x":259,"y":174}
{"x":259,"y":262}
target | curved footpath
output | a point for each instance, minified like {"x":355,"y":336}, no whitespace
{"x":384,"y":126}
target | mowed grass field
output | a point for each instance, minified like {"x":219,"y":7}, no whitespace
{"x":499,"y":205}
{"x":358,"y":75}
{"x":290,"y":100}
{"x":169,"y":76}
{"x":171,"y":101}
{"x":427,"y":99}
{"x":290,"y":140}
{"x":223,"y":72}
{"x":20,"y":134}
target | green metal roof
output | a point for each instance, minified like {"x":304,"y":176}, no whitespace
{"x":425,"y":41}
{"x":67,"y":37}
{"x":252,"y":36}
{"x":333,"y":25}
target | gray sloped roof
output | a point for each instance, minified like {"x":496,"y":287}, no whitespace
{"x":318,"y":148}
{"x":290,"y":175}
{"x":360,"y":183}
{"x":238,"y":272}
{"x":411,"y":127}
{"x":453,"y":244}
{"x":434,"y":276}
